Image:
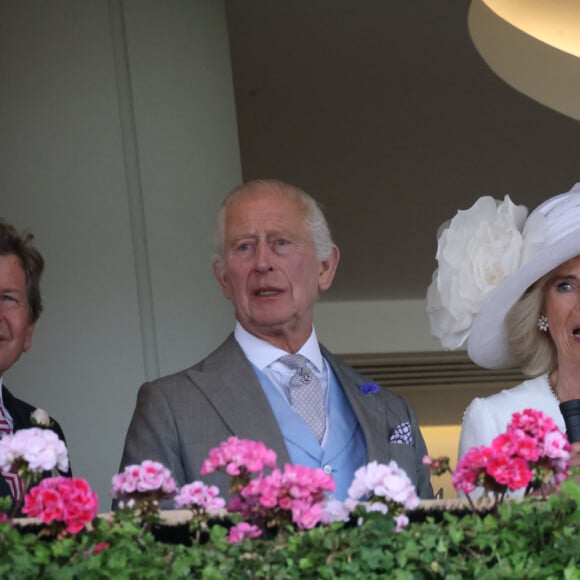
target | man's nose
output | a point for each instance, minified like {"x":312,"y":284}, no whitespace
{"x":263,"y":257}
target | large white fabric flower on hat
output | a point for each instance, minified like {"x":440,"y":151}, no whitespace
{"x":476,"y":251}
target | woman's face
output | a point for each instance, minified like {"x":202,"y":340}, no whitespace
{"x":562,"y":308}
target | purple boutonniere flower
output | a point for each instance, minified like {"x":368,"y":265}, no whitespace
{"x":369,"y":388}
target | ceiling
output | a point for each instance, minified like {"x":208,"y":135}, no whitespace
{"x":384,"y":112}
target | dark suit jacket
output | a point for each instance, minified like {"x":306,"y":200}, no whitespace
{"x":179,"y":418}
{"x":20,"y":412}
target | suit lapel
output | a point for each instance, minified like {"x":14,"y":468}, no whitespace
{"x":229,"y":382}
{"x":19,"y":410}
{"x":371,"y":414}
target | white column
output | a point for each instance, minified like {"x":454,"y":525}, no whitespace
{"x":118,"y":141}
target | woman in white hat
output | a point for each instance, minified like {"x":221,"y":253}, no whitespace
{"x":509,"y":284}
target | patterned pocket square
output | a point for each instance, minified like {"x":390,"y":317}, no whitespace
{"x":402,"y":434}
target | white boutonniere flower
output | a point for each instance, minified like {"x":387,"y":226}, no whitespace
{"x":40,"y":418}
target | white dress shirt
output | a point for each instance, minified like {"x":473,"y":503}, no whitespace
{"x":264,"y":356}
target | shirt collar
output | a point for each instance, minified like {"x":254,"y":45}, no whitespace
{"x":262,"y":354}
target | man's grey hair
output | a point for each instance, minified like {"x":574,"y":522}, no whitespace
{"x":313,"y":218}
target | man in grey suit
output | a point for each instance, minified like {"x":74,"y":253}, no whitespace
{"x":274,"y":254}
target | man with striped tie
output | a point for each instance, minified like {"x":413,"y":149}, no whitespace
{"x":21,"y":266}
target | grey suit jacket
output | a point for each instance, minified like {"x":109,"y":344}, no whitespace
{"x":180,"y":417}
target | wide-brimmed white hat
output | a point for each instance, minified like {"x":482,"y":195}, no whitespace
{"x":550,"y":237}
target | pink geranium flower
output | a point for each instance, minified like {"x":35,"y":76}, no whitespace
{"x":147,"y":478}
{"x":334,"y":511}
{"x":198,"y":496}
{"x":531,"y":453}
{"x":384,"y":481}
{"x":243,"y":530}
{"x":97,"y":549}
{"x":298,"y":495}
{"x":235,"y":455}
{"x":153,"y":477}
{"x":556,"y":446}
{"x":533,"y":422}
{"x":140,"y":487}
{"x":68,"y":500}
{"x":402,"y":522}
{"x":36,"y":448}
{"x":512,"y":472}
{"x":385,"y":488}
{"x":471,"y":469}
{"x":437,"y":465}
{"x":294,"y":495}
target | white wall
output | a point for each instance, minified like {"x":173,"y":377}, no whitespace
{"x":189,"y":159}
{"x":374,"y":326}
{"x":119,"y":177}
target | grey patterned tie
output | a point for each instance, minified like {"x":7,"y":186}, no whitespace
{"x":306,"y":394}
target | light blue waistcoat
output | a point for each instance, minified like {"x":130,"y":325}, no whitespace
{"x":345,"y":450}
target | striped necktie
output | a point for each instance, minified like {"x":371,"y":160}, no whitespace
{"x":12,"y":479}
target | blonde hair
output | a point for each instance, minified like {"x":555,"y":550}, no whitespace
{"x":534,"y":349}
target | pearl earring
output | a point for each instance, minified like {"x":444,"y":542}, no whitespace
{"x":543,"y":323}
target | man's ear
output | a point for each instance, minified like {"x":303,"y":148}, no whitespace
{"x":220,"y":274}
{"x":28,"y":337}
{"x":328,"y":269}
